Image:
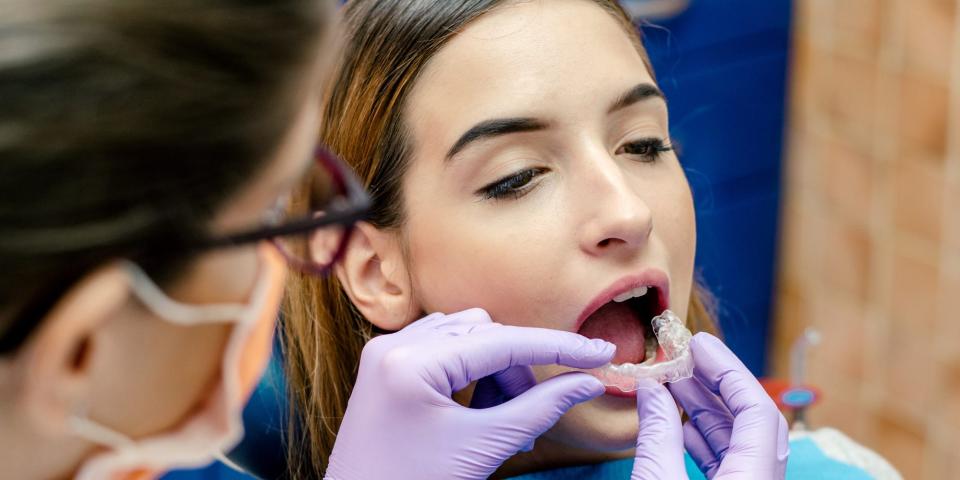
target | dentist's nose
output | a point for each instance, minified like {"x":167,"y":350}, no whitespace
{"x":617,"y":219}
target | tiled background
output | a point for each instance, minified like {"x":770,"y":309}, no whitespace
{"x":870,"y":241}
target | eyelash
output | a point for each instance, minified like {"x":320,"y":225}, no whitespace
{"x":650,"y":149}
{"x":513,"y":186}
{"x":517,"y":184}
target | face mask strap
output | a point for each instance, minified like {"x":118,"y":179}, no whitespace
{"x":178,"y":313}
{"x":96,"y":433}
{"x":224,"y":459}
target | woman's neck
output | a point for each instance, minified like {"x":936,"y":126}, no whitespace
{"x":548,"y":454}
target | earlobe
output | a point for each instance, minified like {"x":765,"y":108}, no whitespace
{"x":57,"y":360}
{"x":375,"y":277}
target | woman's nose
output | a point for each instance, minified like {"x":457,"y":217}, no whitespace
{"x":617,"y":219}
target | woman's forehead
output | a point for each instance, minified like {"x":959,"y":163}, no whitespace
{"x":526,"y":59}
{"x":528,"y":44}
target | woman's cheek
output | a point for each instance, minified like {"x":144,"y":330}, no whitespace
{"x":458,"y":273}
{"x":506,"y":278}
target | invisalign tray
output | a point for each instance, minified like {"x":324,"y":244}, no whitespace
{"x":674,"y":338}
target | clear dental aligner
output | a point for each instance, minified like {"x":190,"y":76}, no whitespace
{"x":675,"y":340}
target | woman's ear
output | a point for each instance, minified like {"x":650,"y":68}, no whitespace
{"x":57,"y":360}
{"x":375,"y":277}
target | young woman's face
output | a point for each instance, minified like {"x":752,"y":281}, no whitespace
{"x":541,"y":185}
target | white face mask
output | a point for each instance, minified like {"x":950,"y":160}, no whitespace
{"x":218,"y":426}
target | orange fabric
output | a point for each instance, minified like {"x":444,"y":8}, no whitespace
{"x":142,"y":475}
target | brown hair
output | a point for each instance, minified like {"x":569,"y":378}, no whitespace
{"x":126,"y":124}
{"x":387,"y":46}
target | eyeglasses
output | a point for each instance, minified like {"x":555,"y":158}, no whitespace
{"x":313,"y":243}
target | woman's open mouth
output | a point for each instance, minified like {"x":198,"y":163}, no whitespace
{"x":622,"y":315}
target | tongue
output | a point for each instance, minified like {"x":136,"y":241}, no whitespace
{"x":620,"y":325}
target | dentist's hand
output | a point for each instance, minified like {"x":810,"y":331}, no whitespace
{"x":735,"y":430}
{"x":401,"y":421}
{"x":659,"y":453}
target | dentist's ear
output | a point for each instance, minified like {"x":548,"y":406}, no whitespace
{"x":58,"y":360}
{"x":375,"y":277}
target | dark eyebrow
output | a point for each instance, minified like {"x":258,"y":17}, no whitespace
{"x":636,"y":94}
{"x":493,"y":128}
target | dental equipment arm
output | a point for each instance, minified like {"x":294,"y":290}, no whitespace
{"x":401,"y":421}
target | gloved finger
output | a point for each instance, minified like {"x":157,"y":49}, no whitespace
{"x":429,"y":321}
{"x":487,"y":394}
{"x":502,"y":386}
{"x":471,"y":357}
{"x":472,"y":317}
{"x":458,"y":329}
{"x":700,"y":450}
{"x":783,"y":447}
{"x":724,"y":374}
{"x":754,"y":447}
{"x":659,"y":453}
{"x":526,"y":417}
{"x":713,"y":362}
{"x":515,"y":380}
{"x":707,"y":413}
{"x":753,"y":438}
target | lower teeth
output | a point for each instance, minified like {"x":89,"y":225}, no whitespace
{"x":650,"y":351}
{"x":670,"y":332}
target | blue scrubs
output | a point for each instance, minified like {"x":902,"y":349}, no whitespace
{"x":824,"y":454}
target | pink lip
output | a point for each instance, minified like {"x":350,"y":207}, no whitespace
{"x":651,"y":277}
{"x":616,"y":392}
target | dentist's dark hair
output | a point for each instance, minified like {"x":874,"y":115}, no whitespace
{"x":125,"y":124}
{"x":388,"y":44}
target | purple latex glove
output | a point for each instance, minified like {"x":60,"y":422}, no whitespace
{"x":659,"y":453}
{"x":401,"y":421}
{"x":735,"y":430}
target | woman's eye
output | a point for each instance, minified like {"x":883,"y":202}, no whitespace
{"x":647,"y":149}
{"x":513,"y":186}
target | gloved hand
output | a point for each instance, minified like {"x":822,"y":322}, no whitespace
{"x":735,"y":430}
{"x":659,"y":453}
{"x":401,"y":421}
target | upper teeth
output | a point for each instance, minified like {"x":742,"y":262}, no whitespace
{"x":636,"y":292}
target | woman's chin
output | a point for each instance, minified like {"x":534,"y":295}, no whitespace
{"x":608,"y":423}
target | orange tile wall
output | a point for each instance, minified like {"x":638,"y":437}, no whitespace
{"x":870,"y":241}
